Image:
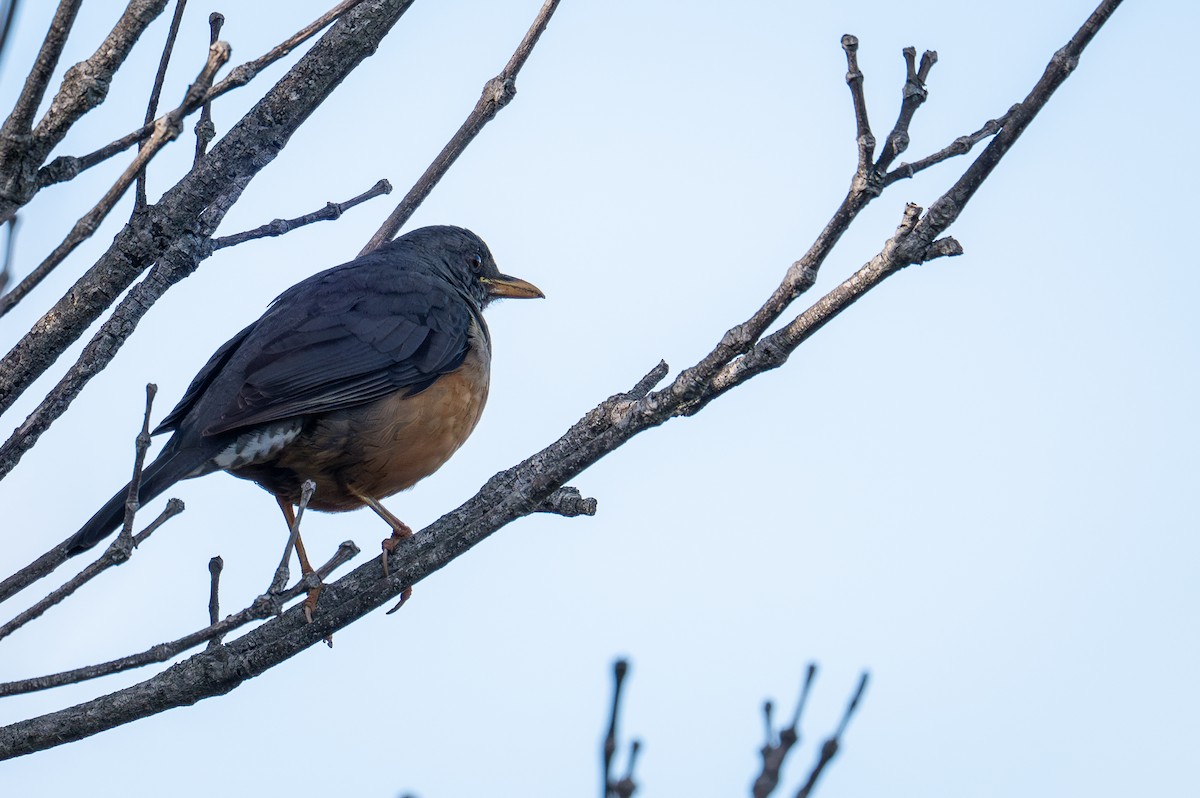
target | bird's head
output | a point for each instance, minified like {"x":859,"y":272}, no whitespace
{"x":467,"y":263}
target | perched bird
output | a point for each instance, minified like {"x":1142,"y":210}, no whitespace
{"x":364,"y":378}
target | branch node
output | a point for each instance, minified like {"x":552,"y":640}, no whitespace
{"x":567,"y":502}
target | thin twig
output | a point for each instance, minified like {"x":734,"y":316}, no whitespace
{"x":112,"y":556}
{"x":166,"y":130}
{"x":10,"y":13}
{"x":831,"y":746}
{"x":139,"y":200}
{"x":278,"y":227}
{"x":914,"y":96}
{"x":205,"y":130}
{"x":215,"y":566}
{"x":773,"y":350}
{"x":68,"y":167}
{"x":626,"y":786}
{"x":960,"y":146}
{"x":265,"y":606}
{"x":132,"y":501}
{"x":620,"y":670}
{"x":120,"y":549}
{"x":10,"y":246}
{"x":241,"y":75}
{"x":773,"y":753}
{"x":497,"y":93}
{"x":854,"y":79}
{"x":281,"y":573}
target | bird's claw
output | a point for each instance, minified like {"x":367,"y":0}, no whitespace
{"x":389,"y":545}
{"x":405,"y":595}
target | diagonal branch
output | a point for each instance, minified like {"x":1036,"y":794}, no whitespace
{"x":497,"y":93}
{"x":833,"y":744}
{"x":264,"y":606}
{"x":156,"y":90}
{"x":166,"y":130}
{"x":278,"y":227}
{"x":960,"y":146}
{"x":84,"y":87}
{"x":19,"y":125}
{"x":114,"y":555}
{"x":66,"y":167}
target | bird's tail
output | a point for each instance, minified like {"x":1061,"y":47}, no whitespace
{"x":167,"y":469}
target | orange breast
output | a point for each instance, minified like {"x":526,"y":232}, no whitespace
{"x":384,"y":447}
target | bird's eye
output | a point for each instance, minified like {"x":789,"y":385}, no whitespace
{"x":476,"y":262}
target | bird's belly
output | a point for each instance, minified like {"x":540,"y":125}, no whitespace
{"x":379,"y":448}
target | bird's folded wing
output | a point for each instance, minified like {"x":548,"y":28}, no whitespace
{"x":338,"y":346}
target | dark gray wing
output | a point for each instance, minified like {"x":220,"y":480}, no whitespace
{"x":345,"y":338}
{"x":201,"y":382}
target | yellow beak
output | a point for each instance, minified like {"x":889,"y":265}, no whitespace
{"x":511,"y":287}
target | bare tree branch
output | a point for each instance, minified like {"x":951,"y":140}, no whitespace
{"x":10,"y":246}
{"x":166,"y":130}
{"x":497,"y":93}
{"x":116,"y":554}
{"x":241,"y":75}
{"x":914,"y":95}
{"x":831,"y":746}
{"x":205,"y":130}
{"x":84,"y":87}
{"x":774,"y":753}
{"x":278,"y":227}
{"x":264,"y":606}
{"x":960,"y":146}
{"x":67,"y":167}
{"x":156,"y":90}
{"x":19,"y":125}
{"x":215,"y":566}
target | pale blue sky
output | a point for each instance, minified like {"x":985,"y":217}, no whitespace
{"x":979,"y":483}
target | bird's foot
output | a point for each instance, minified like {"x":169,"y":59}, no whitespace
{"x":399,"y":534}
{"x":389,"y":545}
{"x":405,"y":595}
{"x":310,"y":603}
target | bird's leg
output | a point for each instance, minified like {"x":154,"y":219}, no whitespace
{"x":400,"y":531}
{"x":306,"y":568}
